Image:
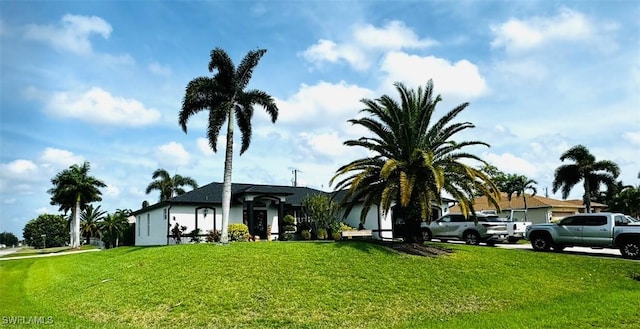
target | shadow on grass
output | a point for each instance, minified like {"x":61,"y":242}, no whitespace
{"x":367,"y":246}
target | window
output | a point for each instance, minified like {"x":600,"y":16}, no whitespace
{"x":164,"y":214}
{"x":445,"y":219}
{"x":148,"y":224}
{"x":596,"y":220}
{"x":459,"y":218}
{"x":139,"y":224}
{"x":621,"y":220}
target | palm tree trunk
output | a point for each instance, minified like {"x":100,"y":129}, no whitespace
{"x":75,"y":235}
{"x":587,"y":195}
{"x":226,"y":184}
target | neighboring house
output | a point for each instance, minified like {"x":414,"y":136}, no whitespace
{"x":539,"y":209}
{"x":256,"y":205}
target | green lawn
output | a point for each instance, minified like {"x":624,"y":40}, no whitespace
{"x":322,"y":285}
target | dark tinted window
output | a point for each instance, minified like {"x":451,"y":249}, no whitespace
{"x":596,"y":220}
{"x":445,"y":219}
{"x":457,"y":218}
{"x":573,"y":220}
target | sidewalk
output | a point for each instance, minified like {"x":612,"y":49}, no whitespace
{"x":50,"y":254}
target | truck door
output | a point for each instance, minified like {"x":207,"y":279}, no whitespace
{"x":597,"y":231}
{"x":570,"y":230}
{"x":443,"y":227}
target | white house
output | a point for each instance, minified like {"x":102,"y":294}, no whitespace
{"x":258,"y":206}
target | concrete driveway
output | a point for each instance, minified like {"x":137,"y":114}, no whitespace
{"x":612,"y":253}
{"x":8,"y":251}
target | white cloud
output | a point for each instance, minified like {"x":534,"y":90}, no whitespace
{"x":322,"y":103}
{"x":517,"y":35}
{"x":632,"y":136}
{"x":59,"y":159}
{"x":330,"y":144}
{"x":364,"y":44}
{"x":172,"y":155}
{"x":510,"y":163}
{"x":461,"y":79}
{"x":157,"y":68}
{"x":100,"y":107}
{"x":19,"y":168}
{"x":112,"y":191}
{"x":71,"y":34}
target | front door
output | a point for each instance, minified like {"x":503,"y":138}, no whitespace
{"x":260,"y":223}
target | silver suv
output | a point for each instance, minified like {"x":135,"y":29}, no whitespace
{"x":454,"y":226}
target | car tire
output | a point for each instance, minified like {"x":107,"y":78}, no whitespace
{"x":630,"y":249}
{"x":443,"y":240}
{"x":426,"y":235}
{"x":558,"y":248}
{"x":512,"y":239}
{"x":491,"y":243}
{"x":541,"y":242}
{"x":471,"y":238}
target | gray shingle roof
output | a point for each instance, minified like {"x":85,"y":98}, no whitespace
{"x":212,"y":194}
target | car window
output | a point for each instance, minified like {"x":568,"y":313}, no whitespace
{"x":445,"y":219}
{"x":457,"y":218}
{"x":595,"y":220}
{"x":621,"y":220}
{"x":572,"y":220}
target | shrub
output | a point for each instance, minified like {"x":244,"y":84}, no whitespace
{"x":288,"y":223}
{"x":306,"y":234}
{"x":345,"y":227}
{"x":213,"y":236}
{"x":337,"y":236}
{"x":195,"y":235}
{"x":178,"y":232}
{"x":321,"y":233}
{"x":238,"y":232}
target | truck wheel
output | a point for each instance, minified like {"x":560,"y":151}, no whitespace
{"x":630,"y":249}
{"x":472,"y":238}
{"x":541,"y":243}
{"x":426,"y":235}
{"x":558,"y":248}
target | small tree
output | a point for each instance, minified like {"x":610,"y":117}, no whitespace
{"x":46,"y":231}
{"x":8,"y":239}
{"x":321,"y":210}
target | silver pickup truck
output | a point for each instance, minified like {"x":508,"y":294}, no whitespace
{"x":597,"y":230}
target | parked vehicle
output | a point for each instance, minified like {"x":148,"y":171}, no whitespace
{"x":597,"y":230}
{"x":471,"y":229}
{"x":516,"y":224}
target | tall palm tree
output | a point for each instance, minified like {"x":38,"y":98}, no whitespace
{"x":521,"y":184}
{"x":114,"y":225}
{"x":585,"y":168}
{"x":169,"y":186}
{"x":227,"y":101}
{"x":73,"y":189}
{"x":414,"y":159}
{"x":90,"y":221}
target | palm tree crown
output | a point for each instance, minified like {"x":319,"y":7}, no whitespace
{"x":169,"y":186}
{"x":226,"y":99}
{"x":585,"y":168}
{"x":414,"y":157}
{"x":90,"y":221}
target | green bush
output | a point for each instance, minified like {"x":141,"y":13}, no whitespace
{"x":337,"y":236}
{"x":322,"y":233}
{"x":195,"y":235}
{"x":306,"y":234}
{"x":53,"y":227}
{"x":345,"y":227}
{"x":238,"y":232}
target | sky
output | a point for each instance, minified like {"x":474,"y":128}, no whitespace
{"x":103,"y":81}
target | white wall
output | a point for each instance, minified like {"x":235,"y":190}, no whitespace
{"x":151,"y":228}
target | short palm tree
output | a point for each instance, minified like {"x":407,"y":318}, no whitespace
{"x":113,"y":226}
{"x":90,"y":221}
{"x":519,"y":184}
{"x":73,"y":189}
{"x":585,"y":168}
{"x":169,"y":186}
{"x":414,"y":159}
{"x":227,"y":101}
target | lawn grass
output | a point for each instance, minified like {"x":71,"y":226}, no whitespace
{"x":322,"y":285}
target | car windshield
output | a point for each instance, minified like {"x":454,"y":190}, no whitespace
{"x":631,"y":219}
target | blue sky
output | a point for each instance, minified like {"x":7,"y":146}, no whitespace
{"x":102,"y":81}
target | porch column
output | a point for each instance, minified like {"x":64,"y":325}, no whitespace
{"x":280,"y":218}
{"x":250,"y":218}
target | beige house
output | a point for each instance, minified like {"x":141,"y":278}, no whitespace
{"x":540,"y":209}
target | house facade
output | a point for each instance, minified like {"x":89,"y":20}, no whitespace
{"x":540,"y":209}
{"x":260,"y":207}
